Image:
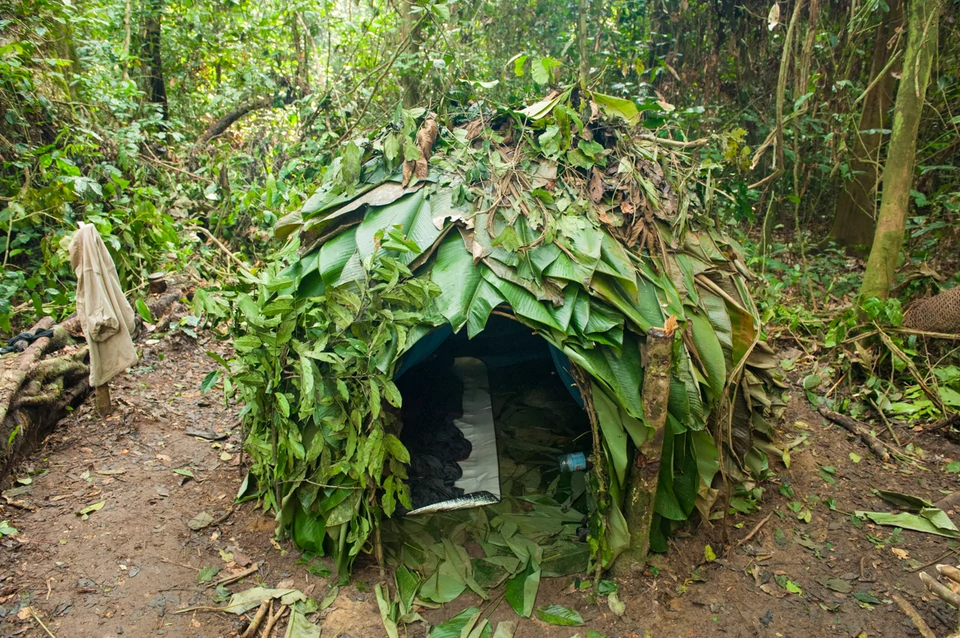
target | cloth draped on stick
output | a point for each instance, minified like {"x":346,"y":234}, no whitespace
{"x":105,"y":315}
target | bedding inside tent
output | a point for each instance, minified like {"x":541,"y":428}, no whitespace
{"x":476,"y":410}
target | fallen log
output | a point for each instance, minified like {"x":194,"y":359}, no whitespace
{"x":29,"y":424}
{"x":858,"y":429}
{"x":37,"y":392}
{"x":14,"y":376}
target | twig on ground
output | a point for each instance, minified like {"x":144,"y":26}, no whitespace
{"x":235,"y":577}
{"x":863,"y":572}
{"x":883,"y":417}
{"x":242,"y":266}
{"x":935,"y":560}
{"x":268,"y":627}
{"x":914,"y":616}
{"x":924,"y":333}
{"x":222,"y":517}
{"x":892,"y":347}
{"x":37,"y":618}
{"x":255,"y":623}
{"x":754,"y":531}
{"x":859,"y":429}
{"x":834,"y":386}
{"x":166,"y":560}
{"x":950,"y":421}
{"x":19,"y":504}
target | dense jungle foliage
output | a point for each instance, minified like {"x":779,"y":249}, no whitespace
{"x":188,"y":128}
{"x":149,"y":118}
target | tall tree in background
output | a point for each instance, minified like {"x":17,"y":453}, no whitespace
{"x":410,"y":30}
{"x":152,"y":26}
{"x":922,"y":24}
{"x":853,"y":223}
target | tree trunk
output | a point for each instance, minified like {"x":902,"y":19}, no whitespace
{"x":922,"y":27}
{"x":582,"y":45}
{"x":67,"y":50}
{"x":126,"y":39}
{"x":853,"y":223}
{"x":409,"y":80}
{"x":156,"y":87}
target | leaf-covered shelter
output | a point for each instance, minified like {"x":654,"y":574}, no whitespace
{"x":570,"y":218}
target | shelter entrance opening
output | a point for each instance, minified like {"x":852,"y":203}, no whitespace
{"x":490,"y":416}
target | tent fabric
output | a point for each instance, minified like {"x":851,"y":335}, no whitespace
{"x":105,"y":315}
{"x":429,"y":344}
{"x":562,"y":363}
{"x":422,"y":349}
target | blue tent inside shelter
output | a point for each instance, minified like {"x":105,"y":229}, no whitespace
{"x":507,"y":343}
{"x":502,"y":390}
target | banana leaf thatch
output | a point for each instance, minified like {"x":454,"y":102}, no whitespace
{"x":586,"y":227}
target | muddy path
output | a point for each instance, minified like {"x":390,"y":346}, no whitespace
{"x":130,"y":566}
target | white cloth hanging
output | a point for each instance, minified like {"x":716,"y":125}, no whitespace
{"x":105,"y":315}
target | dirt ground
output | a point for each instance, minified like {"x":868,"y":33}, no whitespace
{"x":131,"y":567}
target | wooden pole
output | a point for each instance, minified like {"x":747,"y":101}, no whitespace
{"x":641,"y":490}
{"x":104,"y":407}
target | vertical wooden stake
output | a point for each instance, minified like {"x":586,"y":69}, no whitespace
{"x":104,"y":407}
{"x":641,"y":488}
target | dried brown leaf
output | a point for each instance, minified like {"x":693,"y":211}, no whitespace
{"x":427,"y":136}
{"x":421,"y":169}
{"x":474,"y":129}
{"x":477,"y":250}
{"x":596,"y":186}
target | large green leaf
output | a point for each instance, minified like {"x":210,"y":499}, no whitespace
{"x":617,"y":532}
{"x":524,"y":303}
{"x":635,"y":309}
{"x":410,"y":213}
{"x":615,"y":261}
{"x":458,"y":278}
{"x":335,"y":254}
{"x":559,"y":615}
{"x":638,"y":430}
{"x":444,"y":585}
{"x":707,"y":455}
{"x":618,"y":107}
{"x":573,"y":304}
{"x":619,"y":372}
{"x":614,"y":433}
{"x":484,"y":300}
{"x":454,"y":627}
{"x":930,"y":520}
{"x":521,"y":590}
{"x":716,"y":309}
{"x":709,"y":352}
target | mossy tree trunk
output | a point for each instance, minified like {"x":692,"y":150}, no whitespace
{"x":853,"y":222}
{"x":922,"y":23}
